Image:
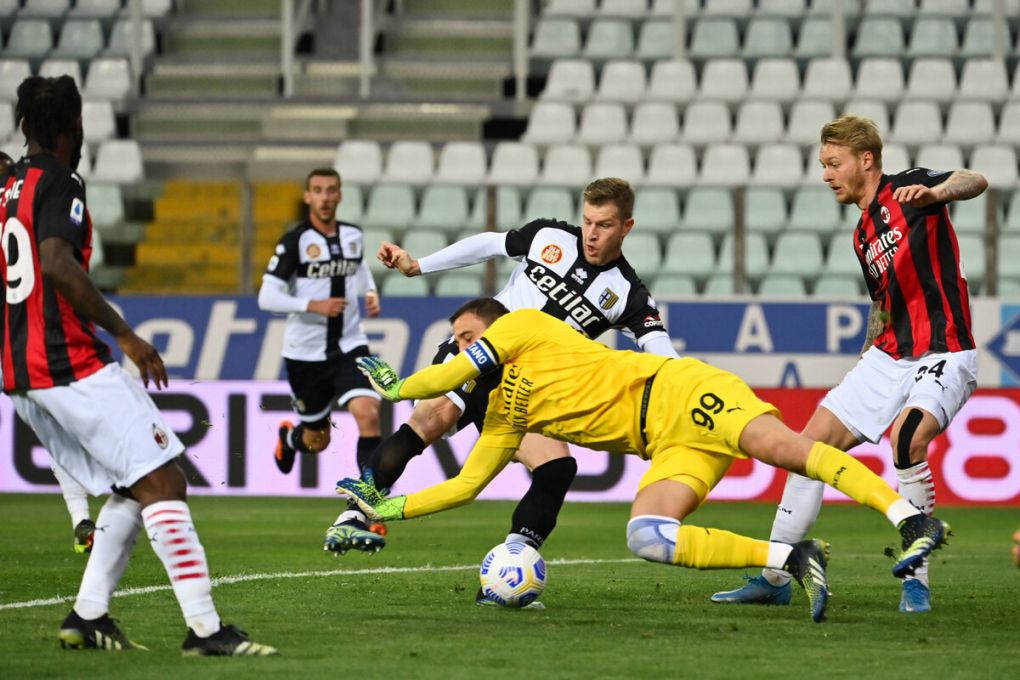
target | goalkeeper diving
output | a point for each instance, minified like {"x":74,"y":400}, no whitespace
{"x":689,"y":419}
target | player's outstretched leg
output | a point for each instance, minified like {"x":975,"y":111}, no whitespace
{"x":285,"y":453}
{"x":806,"y":563}
{"x":227,"y":641}
{"x":350,"y":532}
{"x":101,"y":633}
{"x":921,"y":535}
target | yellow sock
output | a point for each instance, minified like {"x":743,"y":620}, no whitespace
{"x":703,"y":548}
{"x":842,"y":471}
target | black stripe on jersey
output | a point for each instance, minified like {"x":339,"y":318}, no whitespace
{"x":18,"y":343}
{"x":337,"y":288}
{"x":56,"y":342}
{"x":954,"y":295}
{"x":918,"y":240}
{"x":904,"y":331}
{"x":564,"y":301}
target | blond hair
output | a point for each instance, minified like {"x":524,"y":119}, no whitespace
{"x":857,"y":133}
{"x":611,"y":190}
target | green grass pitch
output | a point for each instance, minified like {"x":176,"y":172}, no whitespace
{"x":408,"y":612}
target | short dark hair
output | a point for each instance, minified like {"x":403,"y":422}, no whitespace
{"x":49,"y":108}
{"x":322,"y":172}
{"x":486,"y":309}
{"x":611,"y":190}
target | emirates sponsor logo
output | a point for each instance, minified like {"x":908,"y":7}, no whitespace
{"x":880,"y":252}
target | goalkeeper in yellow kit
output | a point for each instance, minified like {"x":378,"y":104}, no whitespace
{"x":689,"y":419}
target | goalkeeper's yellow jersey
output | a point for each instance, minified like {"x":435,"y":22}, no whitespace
{"x":555,"y":382}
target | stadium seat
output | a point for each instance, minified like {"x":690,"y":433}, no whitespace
{"x":461,"y":163}
{"x":620,"y":160}
{"x":514,"y":163}
{"x":971,"y":216}
{"x":569,"y":80}
{"x":756,"y":256}
{"x":727,"y":165}
{"x":443,"y":208}
{"x":153,"y":9}
{"x":44,"y":9}
{"x":714,"y":38}
{"x":12,"y":72}
{"x":1008,"y":256}
{"x":550,"y":203}
{"x":1012,"y":222}
{"x":29,"y":39}
{"x":879,"y":36}
{"x":895,"y":158}
{"x":917,"y":122}
{"x":6,"y":119}
{"x":508,"y":209}
{"x":998,"y":164}
{"x":108,"y":79}
{"x":119,"y":160}
{"x":690,"y":254}
{"x":609,"y":39}
{"x":768,"y":37}
{"x":403,"y":286}
{"x":98,"y":122}
{"x":706,"y":122}
{"x":827,"y":79}
{"x":672,"y":81}
{"x":726,"y":8}
{"x":95,"y":9}
{"x":1009,"y":124}
{"x":758,"y":122}
{"x":710,"y":210}
{"x":664,"y":8}
{"x":352,"y":207}
{"x":550,"y":122}
{"x":970,"y":123}
{"x":555,"y":38}
{"x":85,"y":165}
{"x":657,"y":210}
{"x":390,"y":206}
{"x":724,"y":80}
{"x":720,"y":286}
{"x":358,"y":161}
{"x":797,"y":253}
{"x":673,"y":286}
{"x":121,"y":39}
{"x":806,"y":120}
{"x":841,"y":259}
{"x":81,"y":39}
{"x":949,"y":8}
{"x":569,"y":8}
{"x":815,"y":39}
{"x":459,"y":284}
{"x":409,"y":162}
{"x":984,"y":80}
{"x":814,"y":209}
{"x":654,"y":123}
{"x":764,"y":211}
{"x":984,"y":7}
{"x":672,"y":165}
{"x":778,"y":165}
{"x":52,"y":68}
{"x":825,"y":8}
{"x":602,"y":123}
{"x":775,"y":79}
{"x":939,"y":157}
{"x":421,"y":242}
{"x":566,"y":165}
{"x":890,"y":8}
{"x":656,"y":40}
{"x":622,"y":81}
{"x":880,"y":78}
{"x":972,"y":256}
{"x":979,"y":37}
{"x":933,"y":36}
{"x":630,"y":9}
{"x":870,"y":108}
{"x":933,"y":79}
{"x":644,"y":254}
{"x":839,"y":287}
{"x":788,"y":9}
{"x":106,"y":204}
{"x":782,"y":286}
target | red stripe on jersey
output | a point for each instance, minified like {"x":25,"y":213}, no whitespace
{"x":35,"y":347}
{"x":909,"y":280}
{"x":81,"y":350}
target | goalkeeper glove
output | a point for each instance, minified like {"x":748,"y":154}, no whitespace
{"x":384,"y":379}
{"x":371,"y":501}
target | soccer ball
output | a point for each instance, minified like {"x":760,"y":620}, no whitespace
{"x":513,"y":574}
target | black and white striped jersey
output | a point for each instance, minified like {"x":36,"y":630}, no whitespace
{"x":313,"y":266}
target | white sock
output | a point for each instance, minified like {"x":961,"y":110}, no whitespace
{"x":918,"y":487}
{"x":174,"y":540}
{"x":521,"y":538}
{"x":75,"y":496}
{"x":116,"y":532}
{"x":351,"y":515}
{"x":778,"y":554}
{"x":796,"y":514}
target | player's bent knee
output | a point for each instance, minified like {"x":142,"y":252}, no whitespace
{"x":316,"y":441}
{"x":653,"y":537}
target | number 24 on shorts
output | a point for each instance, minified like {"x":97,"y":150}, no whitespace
{"x":935,"y":369}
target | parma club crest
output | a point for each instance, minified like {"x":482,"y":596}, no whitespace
{"x":552,"y":254}
{"x":608,"y":299}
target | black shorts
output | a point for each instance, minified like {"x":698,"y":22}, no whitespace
{"x":474,"y":395}
{"x":315,"y":384}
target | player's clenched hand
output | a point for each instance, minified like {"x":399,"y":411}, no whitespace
{"x":372,"y":306}
{"x":383,"y":378}
{"x":395,"y":257}
{"x":146,"y":358}
{"x":915,"y":195}
{"x":330,"y":307}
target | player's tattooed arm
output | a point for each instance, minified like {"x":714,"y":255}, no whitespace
{"x":960,"y":186}
{"x":56,"y":257}
{"x":876,"y":322}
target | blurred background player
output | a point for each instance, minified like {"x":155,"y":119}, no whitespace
{"x":689,"y":419}
{"x":315,"y":276}
{"x":76,"y":498}
{"x":94,"y":419}
{"x":919,"y":365}
{"x":578,"y":274}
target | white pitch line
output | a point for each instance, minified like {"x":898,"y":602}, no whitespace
{"x":242,"y":578}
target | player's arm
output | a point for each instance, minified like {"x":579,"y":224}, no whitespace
{"x":463,"y":253}
{"x":366,"y":283}
{"x":960,"y":185}
{"x":431,"y":381}
{"x":876,"y":323}
{"x":642,"y":323}
{"x":58,"y":264}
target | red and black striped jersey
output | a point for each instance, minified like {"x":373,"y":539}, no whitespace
{"x":911,"y":263}
{"x":44,"y":342}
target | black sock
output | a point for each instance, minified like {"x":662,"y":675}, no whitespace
{"x":366,"y":445}
{"x":535,"y":516}
{"x":392,"y":455}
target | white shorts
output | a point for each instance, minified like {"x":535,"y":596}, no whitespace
{"x":103,"y":430}
{"x":879,"y":387}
